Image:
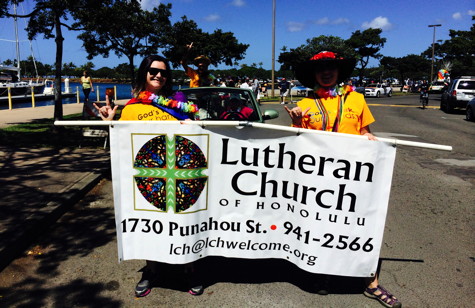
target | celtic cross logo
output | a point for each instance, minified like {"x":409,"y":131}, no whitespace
{"x":170,"y":172}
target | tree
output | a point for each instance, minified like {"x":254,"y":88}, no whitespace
{"x":219,"y":46}
{"x":289,"y":59}
{"x":69,"y":69}
{"x":105,"y":72}
{"x":122,"y":71}
{"x":87,"y":67}
{"x":48,"y":18}
{"x":410,"y":66}
{"x":124,"y":28}
{"x":28,"y":67}
{"x":458,"y":50}
{"x":366,"y":44}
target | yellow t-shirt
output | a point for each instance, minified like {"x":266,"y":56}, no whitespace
{"x":142,"y":112}
{"x":356,"y":114}
{"x":194,"y":77}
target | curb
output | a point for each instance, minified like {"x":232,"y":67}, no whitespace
{"x":37,"y":223}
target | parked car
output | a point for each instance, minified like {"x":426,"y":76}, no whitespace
{"x":459,"y":92}
{"x":359,"y":90}
{"x":297,"y":89}
{"x":470,"y":110}
{"x":378,"y":90}
{"x":437,"y":87}
{"x":228,"y":104}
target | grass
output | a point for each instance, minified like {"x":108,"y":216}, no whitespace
{"x":42,"y":133}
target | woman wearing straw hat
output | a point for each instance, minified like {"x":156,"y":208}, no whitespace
{"x":335,"y":107}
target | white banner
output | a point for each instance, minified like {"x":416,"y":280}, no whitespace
{"x":184,"y":192}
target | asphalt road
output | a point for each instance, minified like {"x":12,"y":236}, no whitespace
{"x":427,"y":258}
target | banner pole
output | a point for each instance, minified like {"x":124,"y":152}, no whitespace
{"x":295,"y":130}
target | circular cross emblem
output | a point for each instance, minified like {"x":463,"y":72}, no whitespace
{"x":170,"y":172}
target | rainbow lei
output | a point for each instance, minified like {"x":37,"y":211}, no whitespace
{"x":177,"y":102}
{"x":324,"y":92}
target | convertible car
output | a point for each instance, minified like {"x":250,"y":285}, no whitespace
{"x":227,"y":104}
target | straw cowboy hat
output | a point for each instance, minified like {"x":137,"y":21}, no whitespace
{"x":305,"y":71}
{"x":203,"y":59}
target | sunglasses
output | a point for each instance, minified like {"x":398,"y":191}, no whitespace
{"x":154,"y":71}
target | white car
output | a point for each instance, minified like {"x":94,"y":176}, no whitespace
{"x":437,"y":87}
{"x":377,"y":90}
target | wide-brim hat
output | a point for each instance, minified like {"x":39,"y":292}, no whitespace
{"x":305,"y":71}
{"x":202,"y":59}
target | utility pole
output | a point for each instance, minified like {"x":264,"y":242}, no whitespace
{"x":433,"y":43}
{"x":273,"y":48}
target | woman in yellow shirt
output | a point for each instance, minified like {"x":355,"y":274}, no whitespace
{"x":336,"y":107}
{"x":87,"y":86}
{"x":152,"y":101}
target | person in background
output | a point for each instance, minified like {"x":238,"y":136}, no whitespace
{"x":336,"y":108}
{"x":245,"y":84}
{"x":87,"y":86}
{"x":284,"y":86}
{"x":237,"y":111}
{"x":200,"y":77}
{"x":264,"y":88}
{"x":153,"y":95}
{"x":423,"y":88}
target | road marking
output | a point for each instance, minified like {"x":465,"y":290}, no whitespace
{"x":404,"y":106}
{"x":384,"y":105}
{"x":392,"y":135}
{"x":457,"y":162}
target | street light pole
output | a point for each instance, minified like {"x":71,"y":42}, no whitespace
{"x":433,"y":43}
{"x":273,"y":47}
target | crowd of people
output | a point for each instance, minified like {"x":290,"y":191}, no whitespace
{"x":326,"y":108}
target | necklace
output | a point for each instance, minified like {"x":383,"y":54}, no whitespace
{"x":177,"y":102}
{"x":341,"y":93}
{"x":326,"y":92}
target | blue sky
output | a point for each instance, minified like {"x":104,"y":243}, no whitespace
{"x":404,"y":23}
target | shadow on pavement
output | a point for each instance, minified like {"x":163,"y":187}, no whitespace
{"x":212,"y":270}
{"x":77,"y":293}
{"x":78,"y":234}
{"x":37,"y":186}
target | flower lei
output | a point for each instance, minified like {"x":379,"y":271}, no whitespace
{"x":324,"y":92}
{"x":177,"y":102}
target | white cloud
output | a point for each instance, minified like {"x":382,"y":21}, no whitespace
{"x":148,"y":5}
{"x":212,"y":17}
{"x":471,"y":12}
{"x":238,"y":3}
{"x":295,"y":26}
{"x":327,"y":21}
{"x":340,"y":21}
{"x":322,"y":21}
{"x":457,"y":16}
{"x":379,"y":22}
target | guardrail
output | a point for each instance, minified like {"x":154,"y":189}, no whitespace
{"x":26,"y":97}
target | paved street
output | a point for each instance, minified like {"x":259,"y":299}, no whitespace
{"x":427,"y":258}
